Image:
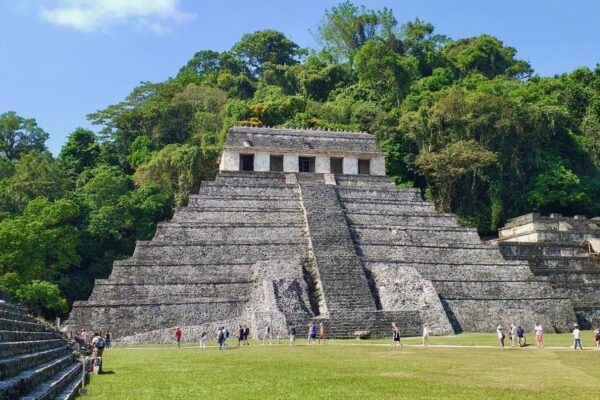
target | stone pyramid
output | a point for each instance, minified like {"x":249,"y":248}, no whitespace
{"x":303,"y":225}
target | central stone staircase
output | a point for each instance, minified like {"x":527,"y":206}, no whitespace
{"x":36,"y":362}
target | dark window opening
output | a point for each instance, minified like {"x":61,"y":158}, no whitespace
{"x":276,"y":163}
{"x":364,"y":167}
{"x":336,"y":165}
{"x":246,"y":162}
{"x":306,"y":164}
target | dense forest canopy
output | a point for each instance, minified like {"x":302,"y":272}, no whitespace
{"x":464,"y":120}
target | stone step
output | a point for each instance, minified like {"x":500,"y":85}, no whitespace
{"x":62,"y":385}
{"x":147,"y":251}
{"x":14,"y":308}
{"x":278,"y":217}
{"x":170,"y":291}
{"x":26,"y":380}
{"x":149,"y":315}
{"x":9,"y":349}
{"x":347,"y":193}
{"x":17,"y":336}
{"x":70,"y":390}
{"x":16,"y":316}
{"x":12,"y":325}
{"x":393,"y":208}
{"x":536,"y":250}
{"x":364,"y":181}
{"x":459,"y":271}
{"x":405,"y":220}
{"x":226,"y":202}
{"x":230,"y":233}
{"x":397,"y":235}
{"x":449,"y":254}
{"x":12,"y":366}
{"x":161,"y":273}
{"x":491,"y":290}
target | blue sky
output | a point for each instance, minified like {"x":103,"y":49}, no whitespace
{"x":63,"y":59}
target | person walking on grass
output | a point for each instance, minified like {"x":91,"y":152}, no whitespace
{"x":107,"y":340}
{"x":292,"y":333}
{"x":538,"y":332}
{"x":203,"y":338}
{"x":240,"y":336}
{"x":321,"y":333}
{"x":425,"y":335}
{"x":178,"y":335}
{"x":313,"y":332}
{"x":576,"y":337}
{"x":267,"y":334}
{"x":225,"y":336}
{"x":514,"y":340}
{"x":220,"y":338}
{"x":246,"y":334}
{"x":597,"y":336}
{"x":501,"y":336}
{"x":521,"y":336}
{"x":395,"y":335}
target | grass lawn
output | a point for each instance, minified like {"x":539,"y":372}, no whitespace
{"x":348,"y":369}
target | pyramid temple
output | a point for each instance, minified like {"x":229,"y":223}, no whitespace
{"x":304,"y":225}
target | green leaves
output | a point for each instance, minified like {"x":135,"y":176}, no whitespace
{"x":19,"y":135}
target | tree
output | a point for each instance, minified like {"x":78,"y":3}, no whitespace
{"x":266,"y":46}
{"x":487,"y":55}
{"x":35,"y":175}
{"x":80,"y":152}
{"x":19,"y":135}
{"x":346,"y":28}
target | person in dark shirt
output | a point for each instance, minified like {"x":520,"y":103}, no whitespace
{"x":246,"y":334}
{"x":240,"y":336}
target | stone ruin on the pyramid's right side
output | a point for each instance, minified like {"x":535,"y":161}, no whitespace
{"x":303,"y":225}
{"x":563,"y":250}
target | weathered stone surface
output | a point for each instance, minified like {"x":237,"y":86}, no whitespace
{"x":553,"y":248}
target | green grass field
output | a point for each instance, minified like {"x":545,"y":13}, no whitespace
{"x":353,"y":370}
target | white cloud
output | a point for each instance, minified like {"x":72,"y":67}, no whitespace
{"x":95,"y":15}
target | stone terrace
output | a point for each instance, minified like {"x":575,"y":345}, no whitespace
{"x":35,"y":360}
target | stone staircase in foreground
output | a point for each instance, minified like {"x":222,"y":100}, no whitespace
{"x":36,"y":362}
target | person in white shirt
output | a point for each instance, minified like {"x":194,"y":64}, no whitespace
{"x":425,"y":337}
{"x":577,"y":337}
{"x":501,"y":336}
{"x":538,"y":332}
{"x":267,"y":334}
{"x":513,"y":336}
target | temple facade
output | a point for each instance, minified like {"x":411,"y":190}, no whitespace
{"x":303,"y":225}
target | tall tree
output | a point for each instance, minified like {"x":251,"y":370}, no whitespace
{"x":19,"y":135}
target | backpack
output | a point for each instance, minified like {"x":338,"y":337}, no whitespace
{"x":100,"y":343}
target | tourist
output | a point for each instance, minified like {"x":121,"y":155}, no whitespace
{"x":98,"y":344}
{"x":425,"y":336}
{"x":576,"y":337}
{"x":538,"y":332}
{"x":84,"y":336}
{"x":501,"y":336}
{"x":312,"y":332}
{"x":240,"y":336}
{"x":267,"y":334}
{"x":225,"y":336}
{"x":292,"y":333}
{"x":321,"y":332}
{"x":513,"y":336}
{"x":597,"y":336}
{"x":220,"y":338}
{"x":178,"y":334}
{"x":107,"y":340}
{"x":395,"y":335}
{"x":203,"y":339}
{"x":521,"y":336}
{"x":246,"y":335}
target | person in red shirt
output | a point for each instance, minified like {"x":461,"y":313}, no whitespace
{"x":178,"y":336}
